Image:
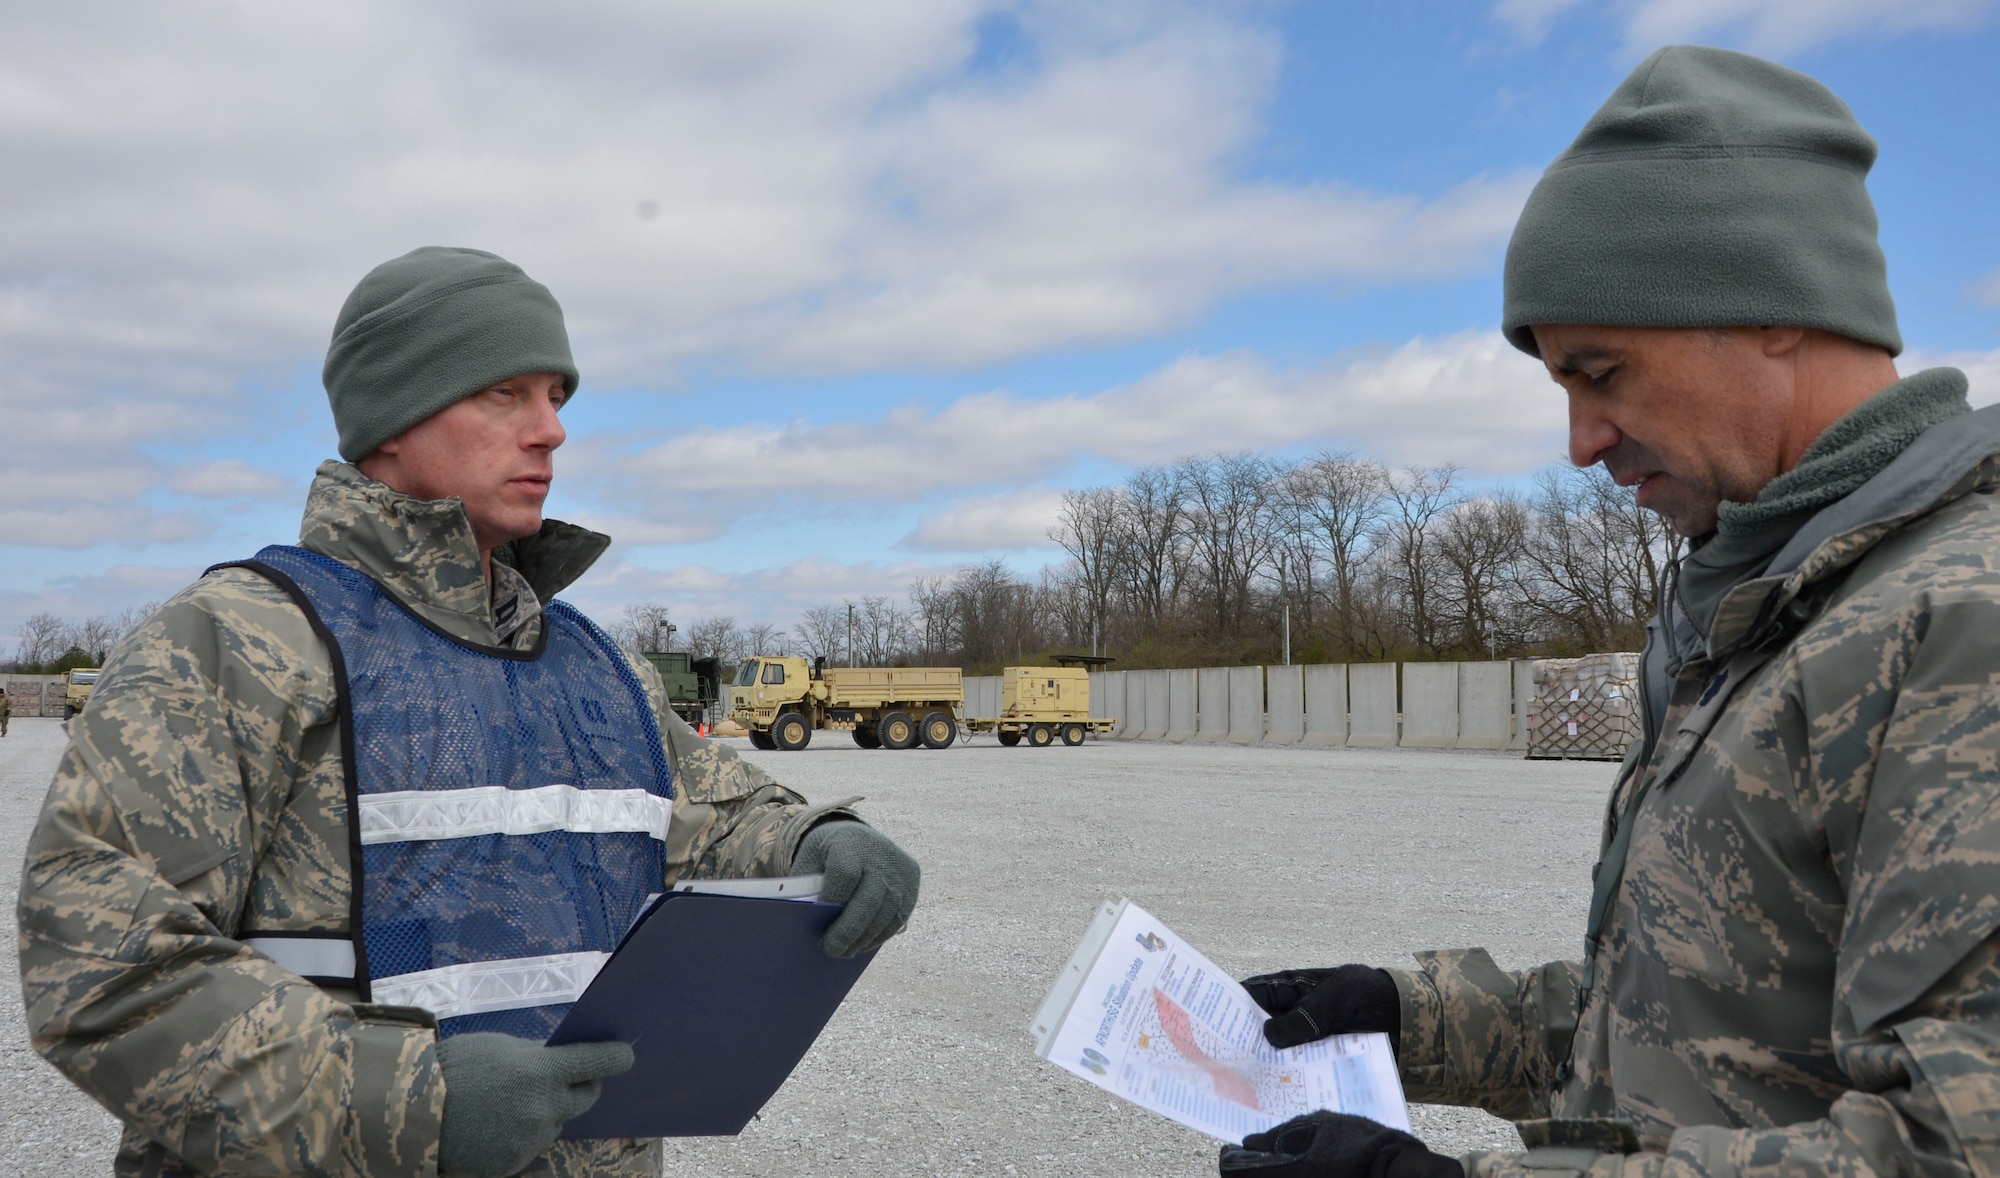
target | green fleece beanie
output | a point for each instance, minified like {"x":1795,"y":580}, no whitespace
{"x":1712,"y":189}
{"x":429,"y":328}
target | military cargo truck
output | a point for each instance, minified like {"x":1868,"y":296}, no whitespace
{"x":782,"y":701}
{"x":693,"y":685}
{"x":76,"y":689}
{"x":1040,"y":705}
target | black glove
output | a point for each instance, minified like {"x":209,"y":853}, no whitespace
{"x":1334,"y":1145}
{"x":505,"y":1099}
{"x":866,"y":871}
{"x":1309,"y":1004}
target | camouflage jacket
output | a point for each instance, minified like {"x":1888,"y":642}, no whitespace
{"x":201,"y":801}
{"x":1799,"y":973}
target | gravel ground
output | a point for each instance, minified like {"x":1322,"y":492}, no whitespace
{"x":1262,"y":857}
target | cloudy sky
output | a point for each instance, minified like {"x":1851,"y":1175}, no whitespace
{"x":857,"y":289}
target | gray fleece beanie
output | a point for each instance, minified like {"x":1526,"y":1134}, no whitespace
{"x":1712,"y":189}
{"x":429,"y":328}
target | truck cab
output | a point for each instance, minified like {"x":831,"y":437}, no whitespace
{"x":77,"y":685}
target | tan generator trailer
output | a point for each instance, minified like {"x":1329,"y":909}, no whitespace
{"x":782,"y":700}
{"x":1040,"y":705}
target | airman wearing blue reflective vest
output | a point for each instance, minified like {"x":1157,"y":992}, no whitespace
{"x":348,"y":824}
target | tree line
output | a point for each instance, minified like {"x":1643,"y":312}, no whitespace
{"x":1213,"y":559}
{"x":49,"y":644}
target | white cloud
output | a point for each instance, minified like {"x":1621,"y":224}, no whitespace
{"x":1012,"y":519}
{"x":231,"y":478}
{"x":1467,"y":398}
{"x":777,"y":594}
{"x":1790,"y":26}
{"x":1530,"y":19}
{"x":1982,"y":370}
{"x":1986,"y":291}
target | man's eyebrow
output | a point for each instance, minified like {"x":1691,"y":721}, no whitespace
{"x":1570,"y":363}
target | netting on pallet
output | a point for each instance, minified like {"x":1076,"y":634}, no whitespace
{"x":1585,"y":708}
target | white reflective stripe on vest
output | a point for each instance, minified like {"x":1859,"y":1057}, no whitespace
{"x":477,"y":986}
{"x":330,"y":956}
{"x":421,"y":815}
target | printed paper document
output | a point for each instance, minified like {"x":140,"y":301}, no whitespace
{"x":1140,"y":1013}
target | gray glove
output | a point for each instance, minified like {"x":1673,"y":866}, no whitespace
{"x":505,"y":1099}
{"x":866,"y":871}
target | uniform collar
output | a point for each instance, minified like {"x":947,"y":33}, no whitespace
{"x":423,"y":551}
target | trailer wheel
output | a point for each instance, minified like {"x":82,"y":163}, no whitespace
{"x":791,"y":732}
{"x":1040,"y":736}
{"x":1072,"y":734}
{"x":1010,"y":739}
{"x":761,"y":739}
{"x":897,"y":730}
{"x":938,"y":730}
{"x":866,"y":738}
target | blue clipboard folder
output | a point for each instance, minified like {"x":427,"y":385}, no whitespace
{"x":720,"y":996}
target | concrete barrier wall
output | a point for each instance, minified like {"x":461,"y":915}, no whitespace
{"x":1159,"y":704}
{"x":1114,"y":701}
{"x":1485,"y":705}
{"x":1366,"y":705}
{"x":1524,"y":695}
{"x":1430,"y":705}
{"x":1180,"y":706}
{"x":982,"y":696}
{"x":1371,"y":705}
{"x":1211,"y":704}
{"x":1285,"y":705}
{"x":1246,"y":705}
{"x":1326,"y":703}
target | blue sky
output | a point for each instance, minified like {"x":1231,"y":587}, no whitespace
{"x":857,"y":290}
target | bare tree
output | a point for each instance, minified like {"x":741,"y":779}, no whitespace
{"x":822,"y":633}
{"x":764,"y":638}
{"x":96,"y":636}
{"x":643,"y":628}
{"x":1229,"y":530}
{"x":1418,"y":498}
{"x":881,"y":631}
{"x":1342,"y":497}
{"x":715,"y":638}
{"x":1090,"y":528}
{"x":1154,"y":560}
{"x":1479,"y":545}
{"x":44,"y":638}
{"x":932,"y":603}
{"x":1594,"y":561}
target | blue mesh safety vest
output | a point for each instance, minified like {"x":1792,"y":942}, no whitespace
{"x":507,"y":809}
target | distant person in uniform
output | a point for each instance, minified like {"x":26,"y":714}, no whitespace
{"x":345,"y":825}
{"x":1791,"y":964}
{"x":6,"y":710}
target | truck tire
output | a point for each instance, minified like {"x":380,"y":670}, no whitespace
{"x":1010,"y":739}
{"x":938,"y":730}
{"x":792,"y":732}
{"x":866,"y":738}
{"x":897,"y":731}
{"x":1040,"y":736}
{"x":1072,"y":734}
{"x":761,"y":739}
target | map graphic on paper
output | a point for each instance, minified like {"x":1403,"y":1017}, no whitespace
{"x":1144,"y":1015}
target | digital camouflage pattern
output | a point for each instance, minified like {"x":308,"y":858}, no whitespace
{"x":1801,"y":974}
{"x":201,"y":801}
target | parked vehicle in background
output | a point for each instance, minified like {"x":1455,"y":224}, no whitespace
{"x":781,"y":701}
{"x":694,"y":686}
{"x":76,"y":689}
{"x":1040,"y":705}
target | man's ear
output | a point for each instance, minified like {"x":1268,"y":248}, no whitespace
{"x":1779,"y":341}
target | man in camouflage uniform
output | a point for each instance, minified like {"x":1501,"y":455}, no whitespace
{"x":1792,"y":964}
{"x":6,"y":710}
{"x":201,"y":817}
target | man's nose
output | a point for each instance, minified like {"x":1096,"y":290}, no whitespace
{"x":1590,"y":432}
{"x":546,"y":431}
